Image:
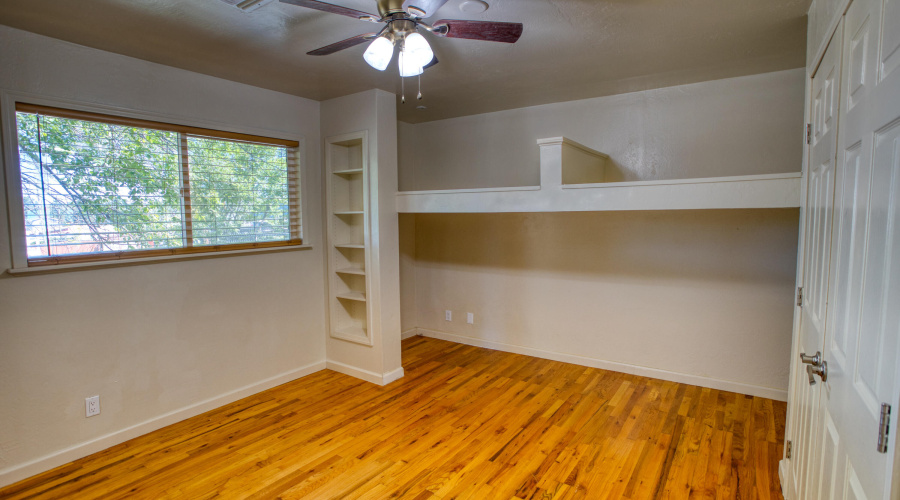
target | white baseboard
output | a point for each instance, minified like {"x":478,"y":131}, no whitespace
{"x":412,"y":332}
{"x":684,"y":378}
{"x":368,"y":376}
{"x":18,"y":472}
{"x":782,"y":474}
{"x":392,"y":376}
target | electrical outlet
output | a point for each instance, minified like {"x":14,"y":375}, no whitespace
{"x":470,"y":318}
{"x":91,"y":406}
{"x":448,"y":315}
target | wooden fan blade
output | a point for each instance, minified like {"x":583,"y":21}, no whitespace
{"x":327,"y":7}
{"x":489,"y":31}
{"x":429,"y":7}
{"x":343,"y":44}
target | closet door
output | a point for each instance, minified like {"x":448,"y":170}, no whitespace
{"x":818,"y":212}
{"x":863,"y":315}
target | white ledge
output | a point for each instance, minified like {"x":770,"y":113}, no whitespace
{"x":563,"y":160}
{"x":83,"y":266}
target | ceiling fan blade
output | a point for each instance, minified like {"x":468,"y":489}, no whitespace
{"x":334,"y":9}
{"x":429,"y":7}
{"x":343,"y":44}
{"x":489,"y":31}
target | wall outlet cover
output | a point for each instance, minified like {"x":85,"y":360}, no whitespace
{"x":470,"y":318}
{"x":448,"y":315}
{"x":91,"y":406}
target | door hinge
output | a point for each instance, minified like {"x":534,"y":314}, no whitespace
{"x":799,"y":296}
{"x":787,"y":448}
{"x":808,"y":133}
{"x":884,"y":427}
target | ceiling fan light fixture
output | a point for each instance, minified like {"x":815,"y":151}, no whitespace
{"x":417,"y":50}
{"x":379,"y":53}
{"x":408,"y":66}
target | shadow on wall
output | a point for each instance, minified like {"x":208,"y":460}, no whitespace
{"x":757,"y":246}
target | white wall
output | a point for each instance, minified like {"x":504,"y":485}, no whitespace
{"x":739,"y":126}
{"x":408,"y":320}
{"x":697,"y":296}
{"x":703,"y":297}
{"x":373,"y":111}
{"x":157,"y":342}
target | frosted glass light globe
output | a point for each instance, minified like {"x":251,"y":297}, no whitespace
{"x":408,"y":67}
{"x":417,"y":49}
{"x":379,"y":53}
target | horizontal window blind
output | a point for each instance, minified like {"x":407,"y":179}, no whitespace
{"x":136,"y":122}
{"x":95,"y":190}
{"x":239,"y":192}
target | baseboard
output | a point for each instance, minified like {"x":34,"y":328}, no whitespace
{"x":412,"y":332}
{"x":19,"y":472}
{"x":684,"y":378}
{"x":368,"y":376}
{"x":782,"y":474}
{"x":392,"y":376}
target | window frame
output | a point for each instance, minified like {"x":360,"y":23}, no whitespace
{"x":79,"y":110}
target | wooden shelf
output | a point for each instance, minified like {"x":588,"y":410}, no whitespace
{"x":350,"y":333}
{"x":357,"y":296}
{"x":352,"y":270}
{"x":751,"y":191}
{"x":348,"y":284}
{"x":353,"y":171}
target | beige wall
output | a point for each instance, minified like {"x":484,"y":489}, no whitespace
{"x":696,"y":296}
{"x":703,"y":293}
{"x":739,"y":126}
{"x":157,"y":342}
{"x":408,"y":320}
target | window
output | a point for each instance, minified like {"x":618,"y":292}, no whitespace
{"x":100,"y":187}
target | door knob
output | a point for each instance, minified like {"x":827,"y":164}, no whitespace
{"x":815,"y":366}
{"x":811,"y":360}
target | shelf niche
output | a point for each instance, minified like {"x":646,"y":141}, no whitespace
{"x":573,"y":180}
{"x":348,"y":250}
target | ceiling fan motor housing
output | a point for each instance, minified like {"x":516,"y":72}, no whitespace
{"x":389,"y":7}
{"x":400,"y":27}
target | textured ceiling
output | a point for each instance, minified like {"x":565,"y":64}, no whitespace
{"x":570,"y":49}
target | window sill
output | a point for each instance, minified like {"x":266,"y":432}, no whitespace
{"x":82,"y":266}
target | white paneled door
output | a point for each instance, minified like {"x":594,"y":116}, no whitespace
{"x":806,"y":417}
{"x":851,"y":275}
{"x":863,"y":320}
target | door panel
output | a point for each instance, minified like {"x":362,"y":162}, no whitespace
{"x":890,"y":40}
{"x":861,"y":325}
{"x":832,"y":467}
{"x":806,"y":464}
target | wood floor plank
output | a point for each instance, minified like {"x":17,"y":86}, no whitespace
{"x":464,"y":422}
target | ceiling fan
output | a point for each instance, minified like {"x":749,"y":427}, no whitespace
{"x":402,"y":20}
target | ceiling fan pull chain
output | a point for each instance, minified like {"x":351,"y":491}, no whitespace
{"x":419,"y":97}
{"x":402,"y":92}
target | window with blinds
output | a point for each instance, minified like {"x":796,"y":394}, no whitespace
{"x":100,"y":187}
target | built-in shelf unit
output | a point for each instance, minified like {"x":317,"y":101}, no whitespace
{"x":348,"y":229}
{"x":572,"y":181}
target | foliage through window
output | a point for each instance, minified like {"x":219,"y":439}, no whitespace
{"x":96,"y":189}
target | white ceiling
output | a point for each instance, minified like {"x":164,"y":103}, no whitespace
{"x":570,"y":49}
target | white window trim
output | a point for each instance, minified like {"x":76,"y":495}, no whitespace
{"x":16,"y":214}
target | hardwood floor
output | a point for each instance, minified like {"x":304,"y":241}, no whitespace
{"x":465,"y":422}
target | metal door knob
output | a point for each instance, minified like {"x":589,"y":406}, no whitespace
{"x":811,"y":360}
{"x":816,"y":365}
